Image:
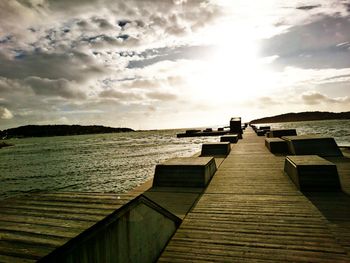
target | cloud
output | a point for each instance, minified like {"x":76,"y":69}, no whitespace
{"x":320,"y":44}
{"x":5,"y":114}
{"x":339,"y":77}
{"x":307,"y":7}
{"x":337,"y":86}
{"x":152,"y":56}
{"x":59,"y":53}
{"x":347,"y":5}
{"x":315,"y":98}
{"x":8,"y":86}
{"x":268,"y":101}
{"x":162,"y":96}
{"x":102,"y":23}
{"x":75,"y":61}
{"x":56,"y":87}
{"x":138,"y":90}
{"x":32,"y":22}
{"x":115,"y":94}
{"x":71,"y":66}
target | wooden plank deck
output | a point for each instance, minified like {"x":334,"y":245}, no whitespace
{"x":251,"y":211}
{"x":34,"y":225}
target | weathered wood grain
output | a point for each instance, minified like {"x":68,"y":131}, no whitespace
{"x":252,"y":212}
{"x":32,"y":226}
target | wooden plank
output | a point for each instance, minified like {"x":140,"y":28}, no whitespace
{"x":251,"y":211}
{"x":51,"y":214}
{"x":32,"y":238}
{"x":44,"y":220}
{"x":40,"y":229}
{"x":4,"y":258}
{"x":81,"y":198}
{"x":207,"y":252}
{"x":46,"y":208}
{"x":63,"y":205}
{"x":34,"y":225}
{"x":23,"y":250}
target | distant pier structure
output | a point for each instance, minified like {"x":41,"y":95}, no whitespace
{"x":235,"y":127}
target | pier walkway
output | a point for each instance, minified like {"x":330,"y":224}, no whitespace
{"x":252,"y":212}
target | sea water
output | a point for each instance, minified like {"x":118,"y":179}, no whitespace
{"x":116,"y":162}
{"x":338,"y":129}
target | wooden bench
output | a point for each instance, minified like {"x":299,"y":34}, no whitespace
{"x":276,"y":145}
{"x":232,"y":138}
{"x":312,"y":173}
{"x":312,"y":145}
{"x":184,"y":172}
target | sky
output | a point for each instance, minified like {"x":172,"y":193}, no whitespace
{"x":156,"y":64}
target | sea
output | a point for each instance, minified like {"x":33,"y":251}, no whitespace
{"x":116,"y":162}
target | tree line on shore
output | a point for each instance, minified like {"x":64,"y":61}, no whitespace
{"x":304,"y":116}
{"x":57,"y":130}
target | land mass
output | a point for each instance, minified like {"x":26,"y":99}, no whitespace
{"x":304,"y":116}
{"x":57,"y":130}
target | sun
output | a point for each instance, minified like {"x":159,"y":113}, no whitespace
{"x":230,"y":72}
{"x":234,"y":71}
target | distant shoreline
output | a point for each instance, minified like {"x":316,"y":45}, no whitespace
{"x":303,"y":116}
{"x":58,"y":130}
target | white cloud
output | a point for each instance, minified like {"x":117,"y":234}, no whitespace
{"x":162,"y":96}
{"x":315,"y":98}
{"x":5,"y":114}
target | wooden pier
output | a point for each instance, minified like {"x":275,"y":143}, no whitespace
{"x":83,"y":227}
{"x":34,"y":225}
{"x":251,"y":211}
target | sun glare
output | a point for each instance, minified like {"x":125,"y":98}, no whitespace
{"x":232,"y":71}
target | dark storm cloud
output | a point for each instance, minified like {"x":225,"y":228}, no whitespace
{"x":320,"y":44}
